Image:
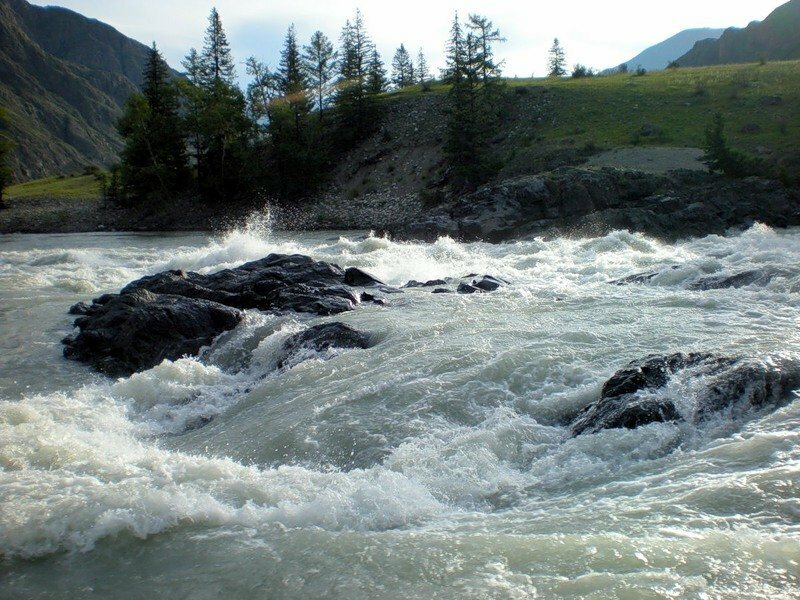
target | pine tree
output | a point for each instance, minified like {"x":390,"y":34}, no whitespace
{"x":472,"y":73}
{"x":402,"y":68}
{"x":557,"y":61}
{"x":320,"y":62}
{"x":6,"y":146}
{"x":193,"y":97}
{"x":217,"y":63}
{"x":376,"y":78}
{"x":154,"y":160}
{"x":218,"y":117}
{"x":423,"y":73}
{"x":719,"y":156}
{"x":355,"y":104}
{"x":291,"y":140}
{"x":485,"y":35}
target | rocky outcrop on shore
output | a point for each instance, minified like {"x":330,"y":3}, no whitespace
{"x":574,"y":201}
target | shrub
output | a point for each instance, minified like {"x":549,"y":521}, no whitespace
{"x":718,"y":156}
{"x":641,"y":71}
{"x":579,"y":71}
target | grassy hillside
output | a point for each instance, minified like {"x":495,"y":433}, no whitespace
{"x":760,"y":104}
{"x":73,"y":187}
{"x":549,"y":122}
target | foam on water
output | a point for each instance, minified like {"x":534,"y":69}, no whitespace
{"x":442,"y":449}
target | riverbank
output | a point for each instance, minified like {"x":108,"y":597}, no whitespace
{"x":567,"y":201}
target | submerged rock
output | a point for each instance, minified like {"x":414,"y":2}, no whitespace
{"x":320,"y":338}
{"x":430,"y":283}
{"x":631,"y":398}
{"x":136,"y":331}
{"x":721,"y":282}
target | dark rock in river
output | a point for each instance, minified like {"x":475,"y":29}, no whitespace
{"x":466,"y":288}
{"x":720,"y":282}
{"x":746,"y":386}
{"x":623,"y":412}
{"x":431,"y":283}
{"x":136,"y":331}
{"x":320,"y":338}
{"x":358,"y":278}
{"x":735,"y":386}
{"x":175,"y":313}
{"x":487,"y":283}
{"x":277,"y":282}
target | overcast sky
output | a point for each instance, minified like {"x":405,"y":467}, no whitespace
{"x":597,"y":34}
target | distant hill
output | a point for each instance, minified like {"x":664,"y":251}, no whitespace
{"x":659,"y":56}
{"x":63,"y":79}
{"x":775,"y":38}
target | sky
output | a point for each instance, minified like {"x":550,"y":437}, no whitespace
{"x":596,"y":34}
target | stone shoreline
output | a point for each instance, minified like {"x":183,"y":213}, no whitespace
{"x":568,"y":201}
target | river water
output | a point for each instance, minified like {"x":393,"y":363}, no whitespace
{"x":432,"y":465}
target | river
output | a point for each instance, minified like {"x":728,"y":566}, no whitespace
{"x":434,"y":464}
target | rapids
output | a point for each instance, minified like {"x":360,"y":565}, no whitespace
{"x":434,"y":465}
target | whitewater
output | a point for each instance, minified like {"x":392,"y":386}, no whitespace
{"x":435,"y":464}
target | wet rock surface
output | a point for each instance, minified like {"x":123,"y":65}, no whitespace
{"x":175,"y":313}
{"x":320,"y":338}
{"x":136,"y":331}
{"x":635,"y":396}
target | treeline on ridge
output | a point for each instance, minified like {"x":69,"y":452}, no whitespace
{"x":202,"y":135}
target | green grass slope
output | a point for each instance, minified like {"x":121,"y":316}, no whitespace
{"x":72,"y":187}
{"x":760,"y":105}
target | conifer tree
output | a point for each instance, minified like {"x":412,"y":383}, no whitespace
{"x":154,"y":161}
{"x":355,"y":96}
{"x":217,"y":62}
{"x":402,"y":68}
{"x":291,"y":140}
{"x":557,"y":61}
{"x":471,"y":72}
{"x":320,"y":62}
{"x":423,"y":73}
{"x":223,"y":130}
{"x":376,"y":77}
{"x":485,"y":34}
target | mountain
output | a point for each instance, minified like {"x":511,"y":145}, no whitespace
{"x":657,"y":57}
{"x":774,"y":38}
{"x":64,"y":79}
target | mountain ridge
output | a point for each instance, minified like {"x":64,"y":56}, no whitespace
{"x":774,"y":38}
{"x":659,"y":55}
{"x":63,"y":113}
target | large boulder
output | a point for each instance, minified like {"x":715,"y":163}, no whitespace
{"x":277,"y":282}
{"x":136,"y":331}
{"x":730,"y":388}
{"x":175,"y":313}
